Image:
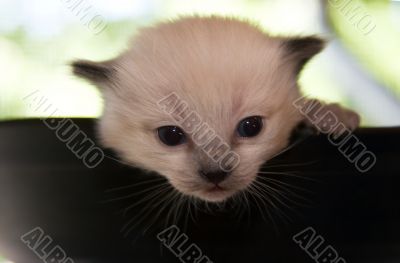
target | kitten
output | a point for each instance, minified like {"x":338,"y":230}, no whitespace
{"x":240,"y":83}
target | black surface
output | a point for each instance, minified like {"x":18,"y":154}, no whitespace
{"x":43,"y":184}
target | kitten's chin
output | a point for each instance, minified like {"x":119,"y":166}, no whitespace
{"x":215,"y":194}
{"x":204,"y":191}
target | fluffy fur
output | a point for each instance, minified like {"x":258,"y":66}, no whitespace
{"x":226,"y":70}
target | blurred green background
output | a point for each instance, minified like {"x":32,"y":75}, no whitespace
{"x":38,"y":39}
{"x":360,"y":68}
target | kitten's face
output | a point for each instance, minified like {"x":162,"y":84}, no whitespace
{"x":188,"y":87}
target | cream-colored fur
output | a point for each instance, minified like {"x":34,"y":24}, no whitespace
{"x":226,"y":70}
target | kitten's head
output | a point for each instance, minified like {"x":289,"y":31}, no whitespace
{"x":202,"y":101}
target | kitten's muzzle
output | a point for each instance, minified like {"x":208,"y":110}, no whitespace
{"x":214,"y":177}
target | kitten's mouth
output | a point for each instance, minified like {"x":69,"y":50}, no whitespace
{"x":215,"y":193}
{"x":215,"y":188}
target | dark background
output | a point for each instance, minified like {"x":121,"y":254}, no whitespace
{"x":43,"y":184}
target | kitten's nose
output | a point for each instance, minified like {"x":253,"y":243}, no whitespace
{"x":214,"y":177}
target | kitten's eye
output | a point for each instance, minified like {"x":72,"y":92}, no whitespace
{"x":171,"y":135}
{"x":250,"y":127}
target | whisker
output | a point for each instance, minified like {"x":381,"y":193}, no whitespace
{"x":284,"y":195}
{"x":271,"y":214}
{"x":117,"y":160}
{"x":247,"y":203}
{"x":272,"y":180}
{"x":127,"y":228}
{"x":178,"y":207}
{"x":174,"y":198}
{"x":186,"y":220}
{"x":133,"y":194}
{"x":191,"y":201}
{"x":292,"y":201}
{"x":272,"y":165}
{"x":134,"y":185}
{"x":282,"y":214}
{"x":258,"y":195}
{"x":288,"y":174}
{"x":160,"y":211}
{"x":151,"y":196}
{"x":295,"y":143}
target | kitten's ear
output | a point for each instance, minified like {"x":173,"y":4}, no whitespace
{"x":299,"y":51}
{"x":95,"y":72}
